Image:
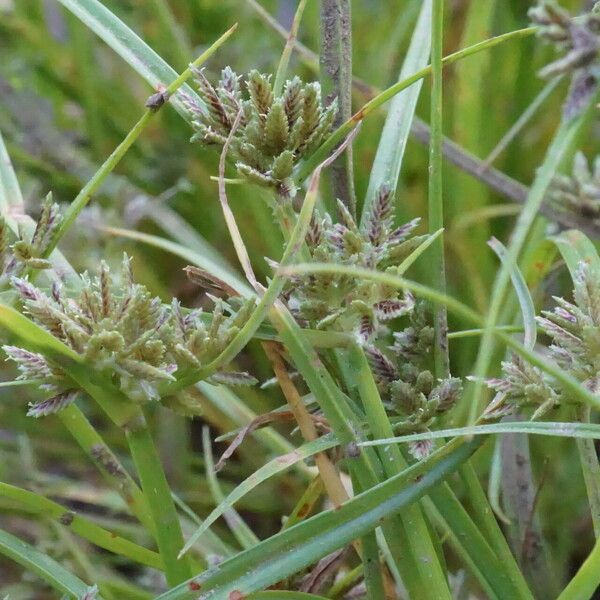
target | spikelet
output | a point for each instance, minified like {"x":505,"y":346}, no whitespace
{"x":274,"y":134}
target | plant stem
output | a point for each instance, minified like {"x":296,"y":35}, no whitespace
{"x":336,"y":82}
{"x":108,"y":464}
{"x":436,"y":202}
{"x":287,"y":51}
{"x":591,"y":471}
{"x":34,"y":503}
{"x":343,"y":130}
{"x":418,"y":537}
{"x":158,"y":494}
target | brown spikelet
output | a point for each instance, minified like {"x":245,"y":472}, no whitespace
{"x":210,"y":96}
{"x":105,"y":289}
{"x":260,"y":91}
{"x":382,"y":366}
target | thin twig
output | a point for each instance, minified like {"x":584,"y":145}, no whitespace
{"x":331,"y":479}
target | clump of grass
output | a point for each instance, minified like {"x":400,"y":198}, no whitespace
{"x":352,"y":320}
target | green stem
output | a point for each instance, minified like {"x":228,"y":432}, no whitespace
{"x":418,"y":538}
{"x":158,"y":494}
{"x":287,"y":51}
{"x":468,"y":537}
{"x":487,"y":523}
{"x":341,"y":132}
{"x":108,"y":464}
{"x":34,"y":503}
{"x":372,"y":567}
{"x":591,"y":471}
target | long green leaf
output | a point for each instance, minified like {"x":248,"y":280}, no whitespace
{"x":563,"y":142}
{"x":34,"y":503}
{"x":284,"y":462}
{"x":523,"y":295}
{"x":338,"y":135}
{"x":390,"y":151}
{"x":575,"y":248}
{"x":566,"y":380}
{"x":42,"y":565}
{"x":314,"y":538}
{"x":270,"y":469}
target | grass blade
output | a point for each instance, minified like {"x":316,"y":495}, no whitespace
{"x":322,"y":534}
{"x":569,"y":383}
{"x":575,"y":248}
{"x":390,"y":151}
{"x":34,"y":503}
{"x":523,"y":295}
{"x":338,"y":135}
{"x":42,"y":565}
{"x":563,"y":142}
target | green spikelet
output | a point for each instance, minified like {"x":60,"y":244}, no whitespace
{"x":283,"y":165}
{"x":311,"y":113}
{"x":261,"y":93}
{"x":276,"y":129}
{"x":293,"y":100}
{"x":324,"y":127}
{"x":273,"y":135}
{"x":254,"y":175}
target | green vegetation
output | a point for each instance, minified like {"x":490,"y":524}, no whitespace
{"x":260,"y":344}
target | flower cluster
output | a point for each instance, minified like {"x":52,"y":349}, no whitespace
{"x":579,"y":192}
{"x":271,"y":133}
{"x":407,"y":386}
{"x":27,"y":253}
{"x":575,"y":332}
{"x":343,"y":301}
{"x":123,"y":332}
{"x":579,"y":41}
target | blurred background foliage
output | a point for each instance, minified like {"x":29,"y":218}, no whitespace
{"x":66,"y":100}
